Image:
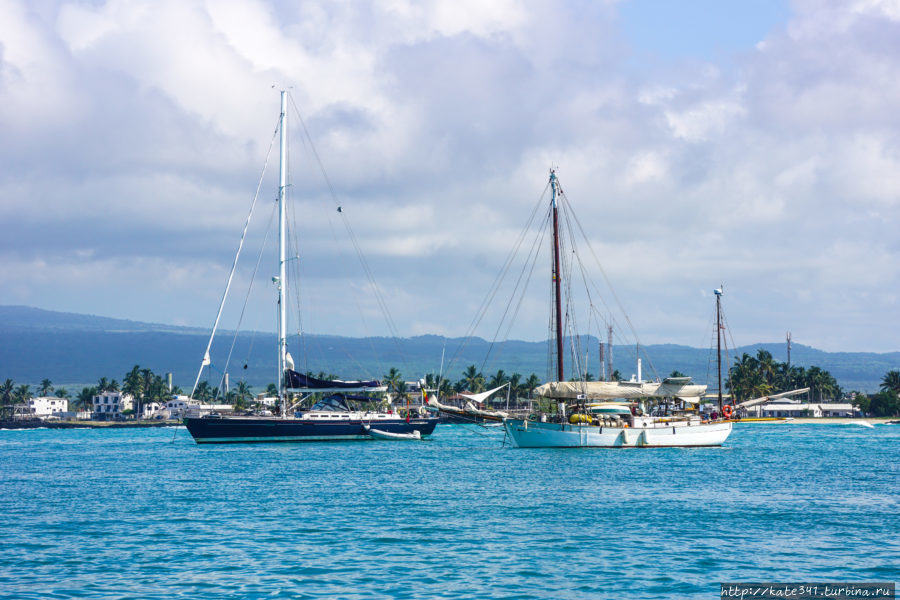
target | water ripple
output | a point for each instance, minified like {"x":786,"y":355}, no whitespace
{"x":132,"y":513}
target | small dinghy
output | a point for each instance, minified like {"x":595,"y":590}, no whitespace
{"x":388,"y":435}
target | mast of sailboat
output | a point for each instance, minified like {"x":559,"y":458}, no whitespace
{"x":719,"y":293}
{"x":556,"y":279}
{"x":282,"y":306}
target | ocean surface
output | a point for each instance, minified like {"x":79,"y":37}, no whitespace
{"x":147,"y":513}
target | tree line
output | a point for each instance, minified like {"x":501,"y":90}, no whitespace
{"x":141,"y":384}
{"x":749,"y":377}
{"x":762,"y":375}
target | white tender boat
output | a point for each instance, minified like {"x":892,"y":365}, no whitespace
{"x":379,"y":434}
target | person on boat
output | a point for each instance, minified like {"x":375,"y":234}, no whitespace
{"x":714,"y":415}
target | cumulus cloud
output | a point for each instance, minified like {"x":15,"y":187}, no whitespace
{"x":134,"y":134}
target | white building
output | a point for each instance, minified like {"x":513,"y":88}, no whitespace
{"x":46,"y":406}
{"x":267,"y":401}
{"x":150,"y":410}
{"x":111,"y":405}
{"x":808,"y":409}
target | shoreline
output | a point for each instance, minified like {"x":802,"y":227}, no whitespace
{"x":828,"y":421}
{"x":38,"y":424}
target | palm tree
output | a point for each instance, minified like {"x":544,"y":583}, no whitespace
{"x":203,"y":392}
{"x":767,"y":365}
{"x":393,"y":379}
{"x":85,"y":398}
{"x":891,"y":382}
{"x":472,"y":380}
{"x":243,"y":391}
{"x":133,"y":384}
{"x":46,"y":387}
{"x":445,"y":389}
{"x":103,"y":385}
{"x":515,"y":385}
{"x":22,"y":393}
{"x":532,"y":382}
{"x":61,"y":393}
{"x":498,"y":379}
{"x":6,"y":397}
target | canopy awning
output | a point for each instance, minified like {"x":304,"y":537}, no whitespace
{"x":481,"y":397}
{"x":600,"y":390}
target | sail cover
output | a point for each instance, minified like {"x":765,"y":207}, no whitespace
{"x":601,"y":390}
{"x":479,"y":398}
{"x":295,"y":380}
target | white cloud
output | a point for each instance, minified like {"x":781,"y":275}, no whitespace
{"x":134,"y":133}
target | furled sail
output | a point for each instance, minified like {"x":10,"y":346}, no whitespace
{"x":600,"y":390}
{"x":295,"y":380}
{"x":764,"y":399}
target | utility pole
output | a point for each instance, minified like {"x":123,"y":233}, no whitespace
{"x":609,"y":351}
{"x":602,"y":364}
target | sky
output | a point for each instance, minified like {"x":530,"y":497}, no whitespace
{"x":753,"y":144}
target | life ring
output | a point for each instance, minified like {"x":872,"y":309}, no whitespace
{"x":727,"y":411}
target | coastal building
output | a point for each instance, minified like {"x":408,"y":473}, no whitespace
{"x":46,"y":406}
{"x":183,"y":406}
{"x":110,"y":405}
{"x":807,"y":409}
{"x":267,"y":401}
{"x":150,"y":410}
{"x":177,"y":407}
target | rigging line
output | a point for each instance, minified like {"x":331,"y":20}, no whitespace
{"x":571,"y":325}
{"x":342,"y":263}
{"x":534,"y":251}
{"x":495,"y":286}
{"x":236,"y":257}
{"x":606,"y":279}
{"x":602,"y":271}
{"x":247,"y":296}
{"x":538,"y":244}
{"x":356,"y":296}
{"x":392,"y":327}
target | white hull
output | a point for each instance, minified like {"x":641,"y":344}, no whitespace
{"x":535,"y":434}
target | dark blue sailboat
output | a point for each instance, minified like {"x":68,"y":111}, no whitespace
{"x":336,"y":415}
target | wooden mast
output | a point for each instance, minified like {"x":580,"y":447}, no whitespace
{"x":719,"y":342}
{"x":557,"y":273}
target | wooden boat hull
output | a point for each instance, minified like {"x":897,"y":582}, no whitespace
{"x":535,"y":434}
{"x":229,"y":430}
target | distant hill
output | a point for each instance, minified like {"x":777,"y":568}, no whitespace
{"x":74,"y":349}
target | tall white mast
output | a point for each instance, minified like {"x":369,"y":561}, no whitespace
{"x":282,"y":282}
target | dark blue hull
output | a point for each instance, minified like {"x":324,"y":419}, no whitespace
{"x":230,"y":430}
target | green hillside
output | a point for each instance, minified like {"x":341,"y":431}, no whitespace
{"x":74,"y":349}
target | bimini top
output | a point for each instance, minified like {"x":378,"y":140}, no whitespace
{"x":299,"y":381}
{"x":680,"y":387}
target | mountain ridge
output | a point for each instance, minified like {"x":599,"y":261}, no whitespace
{"x":73,"y":348}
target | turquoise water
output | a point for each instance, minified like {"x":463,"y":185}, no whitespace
{"x":133,"y":514}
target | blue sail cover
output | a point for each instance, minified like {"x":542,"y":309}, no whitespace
{"x":293,"y":379}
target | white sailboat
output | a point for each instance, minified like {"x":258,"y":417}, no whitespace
{"x":604,"y":414}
